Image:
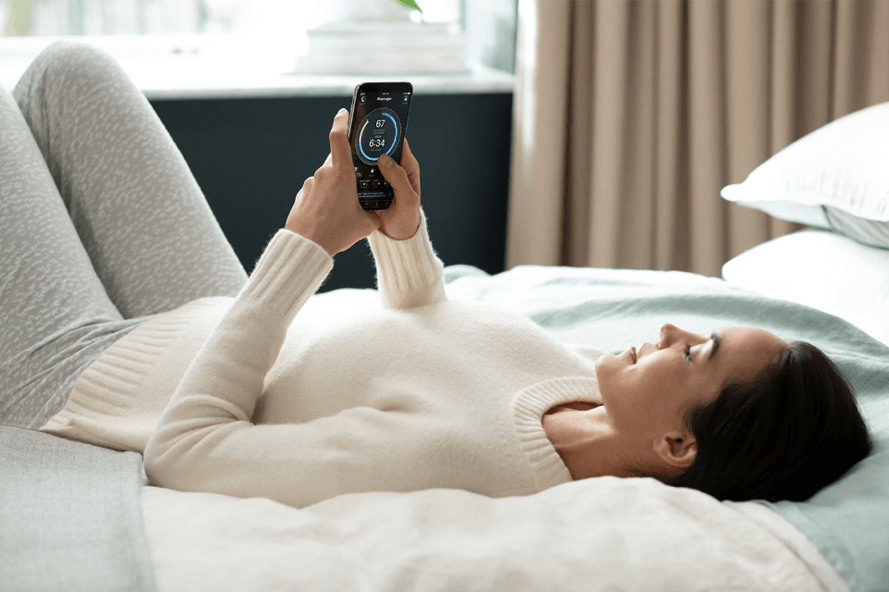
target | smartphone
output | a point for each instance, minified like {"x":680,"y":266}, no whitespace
{"x":377,"y":125}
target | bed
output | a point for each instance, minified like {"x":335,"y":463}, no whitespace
{"x":80,"y":517}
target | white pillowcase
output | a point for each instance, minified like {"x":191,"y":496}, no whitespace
{"x":836,"y":177}
{"x":823,"y":270}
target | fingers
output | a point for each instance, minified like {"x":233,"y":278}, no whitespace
{"x":339,"y":141}
{"x":374,"y":218}
{"x":407,"y":157}
{"x":411,"y":166}
{"x":391,"y":171}
{"x":398,"y":179}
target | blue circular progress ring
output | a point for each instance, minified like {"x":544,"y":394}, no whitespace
{"x":361,"y":133}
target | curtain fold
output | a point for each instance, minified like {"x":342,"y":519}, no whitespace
{"x":630,"y":116}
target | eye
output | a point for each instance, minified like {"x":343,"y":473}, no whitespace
{"x":688,"y":353}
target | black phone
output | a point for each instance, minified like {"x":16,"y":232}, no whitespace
{"x":377,"y":125}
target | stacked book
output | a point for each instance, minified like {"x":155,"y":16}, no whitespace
{"x":382,"y":48}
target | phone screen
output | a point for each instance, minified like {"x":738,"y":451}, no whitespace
{"x":377,"y":125}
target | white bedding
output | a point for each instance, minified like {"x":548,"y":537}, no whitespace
{"x":823,"y":270}
{"x":597,"y":534}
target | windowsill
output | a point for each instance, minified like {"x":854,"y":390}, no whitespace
{"x":182,"y":68}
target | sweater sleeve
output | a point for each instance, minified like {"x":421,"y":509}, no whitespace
{"x":409,"y":273}
{"x":206,"y":440}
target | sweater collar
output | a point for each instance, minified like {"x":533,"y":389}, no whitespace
{"x":527,"y":409}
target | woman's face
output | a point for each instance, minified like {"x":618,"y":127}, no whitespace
{"x":648,"y":389}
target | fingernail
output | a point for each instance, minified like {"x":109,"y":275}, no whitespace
{"x":385,"y":161}
{"x":341,"y":110}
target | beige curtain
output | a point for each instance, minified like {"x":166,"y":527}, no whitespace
{"x":630,"y":116}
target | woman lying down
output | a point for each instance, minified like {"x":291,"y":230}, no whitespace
{"x":129,"y":323}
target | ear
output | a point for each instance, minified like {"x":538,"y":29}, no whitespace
{"x":677,"y":449}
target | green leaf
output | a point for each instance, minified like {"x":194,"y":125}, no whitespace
{"x":410,"y":4}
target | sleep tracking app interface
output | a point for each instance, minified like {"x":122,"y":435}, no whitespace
{"x":379,"y":122}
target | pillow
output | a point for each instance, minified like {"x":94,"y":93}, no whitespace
{"x":823,"y":270}
{"x":836,"y":177}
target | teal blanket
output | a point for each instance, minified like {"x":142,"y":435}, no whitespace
{"x":614,"y":309}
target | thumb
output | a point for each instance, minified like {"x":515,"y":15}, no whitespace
{"x":396,"y":175}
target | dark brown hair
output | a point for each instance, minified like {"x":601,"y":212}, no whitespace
{"x":786,"y":434}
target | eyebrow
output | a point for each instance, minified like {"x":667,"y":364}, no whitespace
{"x":717,"y":341}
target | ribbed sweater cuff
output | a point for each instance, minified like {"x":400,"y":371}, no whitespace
{"x":405,"y":265}
{"x":290,"y":270}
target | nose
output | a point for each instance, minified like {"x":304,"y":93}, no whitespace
{"x":667,"y":335}
{"x":670,"y":334}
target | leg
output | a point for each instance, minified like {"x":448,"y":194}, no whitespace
{"x":55,"y":317}
{"x":139,"y":212}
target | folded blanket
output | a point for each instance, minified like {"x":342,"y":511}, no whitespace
{"x":70,"y":516}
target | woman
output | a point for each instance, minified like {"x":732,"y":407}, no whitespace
{"x":129,"y":323}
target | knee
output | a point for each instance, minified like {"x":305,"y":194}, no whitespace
{"x":67,"y":60}
{"x":70,"y":54}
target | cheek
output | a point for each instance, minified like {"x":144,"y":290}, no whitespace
{"x":645,"y":389}
{"x":639,"y":393}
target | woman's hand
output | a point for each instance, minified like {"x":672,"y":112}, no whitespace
{"x":326,"y":209}
{"x":402,"y":219}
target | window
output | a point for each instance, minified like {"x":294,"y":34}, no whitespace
{"x":327,"y":36}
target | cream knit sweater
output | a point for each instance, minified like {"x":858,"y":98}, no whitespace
{"x":245,"y":397}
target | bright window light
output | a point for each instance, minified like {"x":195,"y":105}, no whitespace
{"x":178,"y":17}
{"x":314,"y":37}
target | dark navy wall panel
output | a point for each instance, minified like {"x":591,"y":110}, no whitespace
{"x":251,"y":156}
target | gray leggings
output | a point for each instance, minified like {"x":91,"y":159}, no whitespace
{"x":102,"y":226}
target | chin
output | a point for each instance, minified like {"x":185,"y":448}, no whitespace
{"x":610,"y":360}
{"x":601,"y":360}
{"x":608,"y":371}
{"x":605,"y":365}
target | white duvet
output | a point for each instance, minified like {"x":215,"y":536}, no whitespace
{"x":597,"y":534}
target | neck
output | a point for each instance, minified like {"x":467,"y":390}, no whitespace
{"x":584,"y":440}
